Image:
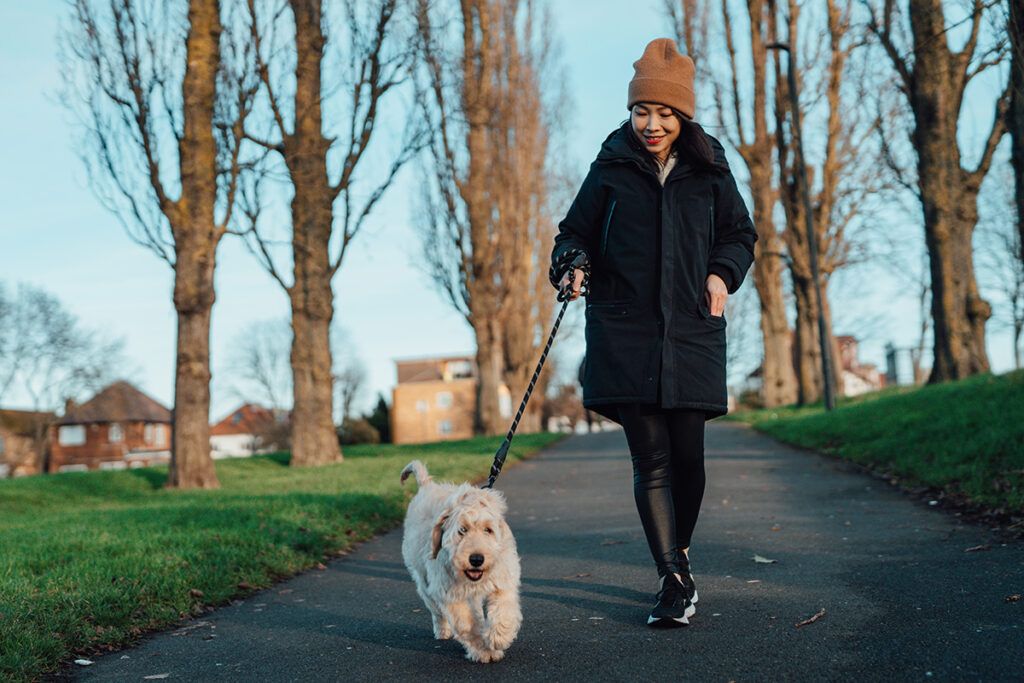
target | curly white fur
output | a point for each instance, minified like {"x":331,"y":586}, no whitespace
{"x":448,"y":530}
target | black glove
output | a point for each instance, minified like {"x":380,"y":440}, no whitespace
{"x":569,"y":261}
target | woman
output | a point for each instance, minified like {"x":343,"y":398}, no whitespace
{"x":667,"y":238}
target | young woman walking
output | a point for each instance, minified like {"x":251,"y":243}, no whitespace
{"x":667,"y":238}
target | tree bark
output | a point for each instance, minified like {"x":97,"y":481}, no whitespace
{"x":1015,"y":118}
{"x":479,"y":100}
{"x":196,"y":236}
{"x":778,"y":379}
{"x":314,"y":441}
{"x":949,"y":198}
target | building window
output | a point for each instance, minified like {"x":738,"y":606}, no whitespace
{"x":2,"y":445}
{"x":421,"y":406}
{"x":460,"y":368}
{"x":115,"y":434}
{"x":444,"y":427}
{"x":71,"y":435}
{"x":160,"y":433}
{"x":147,"y":433}
{"x":236,"y":418}
{"x":113,"y":465}
{"x":444,"y":399}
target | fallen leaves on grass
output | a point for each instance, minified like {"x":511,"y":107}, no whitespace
{"x":83,"y":662}
{"x":195,"y":593}
{"x":763,"y":560}
{"x":811,"y":620}
{"x":1012,"y":598}
{"x":975,"y":548}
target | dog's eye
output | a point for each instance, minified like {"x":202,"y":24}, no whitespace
{"x":489,"y":530}
{"x":462,"y":530}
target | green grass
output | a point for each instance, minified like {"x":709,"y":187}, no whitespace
{"x":965,"y":437}
{"x":88,"y":561}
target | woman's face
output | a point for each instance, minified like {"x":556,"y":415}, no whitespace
{"x":656,"y":127}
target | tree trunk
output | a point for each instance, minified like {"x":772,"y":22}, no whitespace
{"x":949,"y":199}
{"x":489,"y":360}
{"x":778,"y":378}
{"x":1015,"y":118}
{"x":958,"y":311}
{"x":196,"y":237}
{"x":191,"y":463}
{"x":314,"y":440}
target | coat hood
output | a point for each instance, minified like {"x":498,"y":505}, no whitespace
{"x":621,"y":145}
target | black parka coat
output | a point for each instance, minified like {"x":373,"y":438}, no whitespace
{"x":650,"y":336}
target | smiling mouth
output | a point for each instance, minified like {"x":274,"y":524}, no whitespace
{"x":473,"y":574}
{"x":653,"y":140}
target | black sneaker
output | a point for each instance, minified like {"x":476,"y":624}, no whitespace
{"x":674,"y":607}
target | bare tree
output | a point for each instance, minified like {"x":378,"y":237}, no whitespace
{"x":999,"y":248}
{"x":842,"y":179}
{"x":49,"y":357}
{"x":363,"y":41}
{"x":933,"y":78}
{"x":259,"y":364}
{"x":528,"y":178}
{"x":486,"y":212}
{"x":162,"y":92}
{"x":1015,"y":115}
{"x":741,"y":110}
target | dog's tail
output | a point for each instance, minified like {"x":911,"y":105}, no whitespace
{"x":417,"y":467}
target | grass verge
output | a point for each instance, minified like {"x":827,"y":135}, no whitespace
{"x":90,"y":561}
{"x":964,"y":439}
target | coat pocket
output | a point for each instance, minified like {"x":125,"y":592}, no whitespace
{"x":607,"y":224}
{"x":618,"y":345}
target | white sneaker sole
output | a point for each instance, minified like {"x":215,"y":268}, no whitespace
{"x":685,"y":619}
{"x":665,"y":621}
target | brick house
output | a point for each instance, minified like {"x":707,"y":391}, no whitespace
{"x":243,"y":432}
{"x":23,"y":441}
{"x":435,"y":399}
{"x":119,"y":427}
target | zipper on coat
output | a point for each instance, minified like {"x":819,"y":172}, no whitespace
{"x":711,"y":220}
{"x":604,"y":232}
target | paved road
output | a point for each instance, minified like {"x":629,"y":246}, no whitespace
{"x":902,"y":599}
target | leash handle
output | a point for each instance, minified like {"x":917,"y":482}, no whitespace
{"x":583,"y":263}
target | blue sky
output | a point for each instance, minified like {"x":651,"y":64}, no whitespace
{"x":55,"y":234}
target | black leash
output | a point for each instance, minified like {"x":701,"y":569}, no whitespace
{"x":583,"y":264}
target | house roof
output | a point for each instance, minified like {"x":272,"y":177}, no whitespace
{"x":24,"y":422}
{"x":246,"y":419}
{"x":119,"y":402}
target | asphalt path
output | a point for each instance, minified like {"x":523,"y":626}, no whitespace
{"x":903,"y":598}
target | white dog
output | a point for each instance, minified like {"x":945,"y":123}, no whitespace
{"x":462,"y":556}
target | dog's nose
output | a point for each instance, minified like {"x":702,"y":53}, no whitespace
{"x":476,"y":559}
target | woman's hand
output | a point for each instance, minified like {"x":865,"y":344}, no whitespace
{"x":577,"y":283}
{"x":716,"y":293}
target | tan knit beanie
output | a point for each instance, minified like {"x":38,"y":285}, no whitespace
{"x":664,"y":76}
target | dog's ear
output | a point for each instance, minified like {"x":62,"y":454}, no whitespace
{"x":506,"y":531}
{"x":435,"y":536}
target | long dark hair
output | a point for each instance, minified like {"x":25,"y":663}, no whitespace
{"x":692,"y":143}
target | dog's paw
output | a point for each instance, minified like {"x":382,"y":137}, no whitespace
{"x":444,"y":633}
{"x":484,"y":656}
{"x":496,"y":642}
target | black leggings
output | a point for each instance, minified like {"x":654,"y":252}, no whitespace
{"x":667,"y":449}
